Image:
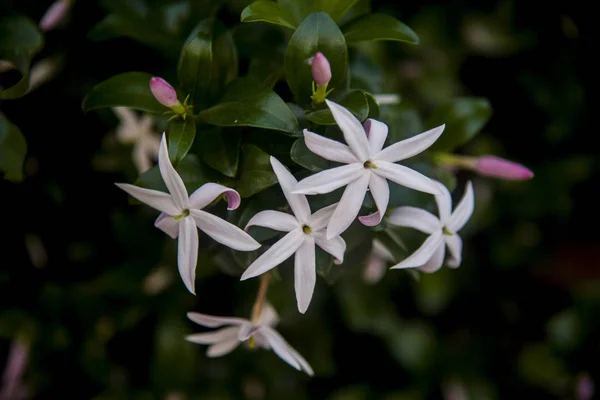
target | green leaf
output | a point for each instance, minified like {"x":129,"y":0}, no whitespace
{"x":20,"y":40}
{"x":12,"y":150}
{"x":130,"y":89}
{"x":268,"y":11}
{"x":317,"y":33}
{"x":221,"y":150}
{"x":257,"y":174}
{"x":402,"y":122}
{"x":373,"y":106}
{"x":267,"y":70}
{"x":379,"y":27}
{"x":181,"y":137}
{"x":335,"y":8}
{"x":248,"y":103}
{"x":464,"y":117}
{"x":306,"y":158}
{"x":355,"y":101}
{"x":208,"y":61}
{"x":190,"y":169}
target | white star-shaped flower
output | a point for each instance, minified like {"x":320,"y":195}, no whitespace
{"x":304,"y":231}
{"x":443,"y":231}
{"x":368,"y":167}
{"x":139,"y":132}
{"x":181,"y":215}
{"x":239,"y":330}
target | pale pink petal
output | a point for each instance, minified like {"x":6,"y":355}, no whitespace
{"x":208,"y":192}
{"x":411,"y":146}
{"x":329,"y":149}
{"x":297,"y":202}
{"x":455,"y":245}
{"x":349,"y":206}
{"x":335,"y":246}
{"x":171,"y":177}
{"x":278,"y":253}
{"x":221,"y":348}
{"x":168,"y":225}
{"x":377,"y":133}
{"x":279,"y":346}
{"x":211,"y":321}
{"x":424,"y":253}
{"x":380,"y":191}
{"x":276,"y":220}
{"x":268,"y":316}
{"x":223,"y":231}
{"x":222,"y":334}
{"x":330,"y":179}
{"x":354,"y":133}
{"x":463,"y":210}
{"x":436,"y":261}
{"x":417,"y":218}
{"x":405,"y":176}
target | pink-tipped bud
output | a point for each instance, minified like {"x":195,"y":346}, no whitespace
{"x":500,"y":168}
{"x":163,"y":92}
{"x":55,"y":14}
{"x":321,"y":71}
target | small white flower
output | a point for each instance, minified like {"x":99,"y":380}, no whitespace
{"x":304,"y":231}
{"x":443,"y":231}
{"x":139,"y":132}
{"x":240,"y":330}
{"x":181,"y":215}
{"x":368,"y":167}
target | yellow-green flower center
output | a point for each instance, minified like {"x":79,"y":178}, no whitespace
{"x":369,"y":164}
{"x":446,"y":231}
{"x":184,"y":214}
{"x":306,"y":229}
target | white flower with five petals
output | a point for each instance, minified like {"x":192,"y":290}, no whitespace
{"x":443,"y":231}
{"x":181,"y":215}
{"x":240,"y":330}
{"x":304,"y":231}
{"x":368,"y":167}
{"x":139,"y":132}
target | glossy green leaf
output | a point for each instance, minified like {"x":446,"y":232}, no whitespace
{"x":13,"y":149}
{"x":130,"y":89}
{"x":268,"y":11}
{"x":464,"y":117}
{"x":323,"y":262}
{"x":221,"y":150}
{"x":379,"y":27}
{"x":190,"y":169}
{"x":257,"y":174}
{"x":402,"y":122}
{"x":267,"y":70}
{"x":317,"y":33}
{"x":306,"y":158}
{"x":373,"y":106}
{"x":355,"y":102}
{"x":249,"y":103}
{"x":208,"y":61}
{"x":335,"y":8}
{"x":20,"y":40}
{"x":181,"y":137}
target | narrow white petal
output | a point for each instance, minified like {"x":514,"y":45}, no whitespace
{"x":167,"y":224}
{"x":223,"y":231}
{"x":410,"y":147}
{"x":213,"y":337}
{"x":246,"y":331}
{"x":278,"y":253}
{"x":380,"y":190}
{"x":381,"y":251}
{"x":455,"y":245}
{"x":276,"y":220}
{"x":349,"y":206}
{"x":211,"y":321}
{"x":141,"y":157}
{"x":187,"y":252}
{"x":423,"y":253}
{"x":436,"y":261}
{"x":269,"y":316}
{"x":335,"y":246}
{"x":305,"y":274}
{"x":158,"y":200}
{"x":208,"y":192}
{"x":279,"y":346}
{"x":221,"y":348}
{"x":320,"y":219}
{"x":303,"y":363}
{"x":377,"y":132}
{"x":297,"y":202}
{"x":406,"y":177}
{"x":127,"y":117}
{"x":416,"y":218}
{"x":329,"y":149}
{"x":354,"y":133}
{"x":463,"y":210}
{"x":444,"y":203}
{"x":171,"y":177}
{"x":330,"y":179}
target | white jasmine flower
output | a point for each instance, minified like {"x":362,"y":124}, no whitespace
{"x":139,"y":132}
{"x":304,"y":231}
{"x":239,"y":330}
{"x":368,"y":167}
{"x":181,"y":215}
{"x":443,"y":231}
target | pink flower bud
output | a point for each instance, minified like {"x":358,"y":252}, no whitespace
{"x":321,"y":71}
{"x":500,"y":168}
{"x":163,"y":92}
{"x":55,"y":14}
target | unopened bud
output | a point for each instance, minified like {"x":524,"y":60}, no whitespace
{"x":55,"y":14}
{"x":500,"y":168}
{"x":321,"y":71}
{"x":164,"y":92}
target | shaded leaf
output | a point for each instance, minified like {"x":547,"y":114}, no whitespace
{"x":221,"y":149}
{"x":257,"y":174}
{"x":181,"y":137}
{"x":379,"y":27}
{"x":268,"y":11}
{"x":13,"y":149}
{"x":355,"y":101}
{"x":306,"y":158}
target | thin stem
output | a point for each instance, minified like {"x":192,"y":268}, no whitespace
{"x":260,"y":297}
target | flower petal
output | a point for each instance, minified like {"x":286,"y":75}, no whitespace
{"x":171,"y":177}
{"x":416,"y":218}
{"x":213,"y":337}
{"x":463,"y":210}
{"x":444,"y":203}
{"x":329,"y":149}
{"x":376,"y":133}
{"x":406,"y":177}
{"x":329,"y":180}
{"x":167,"y":224}
{"x":211,"y":321}
{"x":223,"y":231}
{"x":423,"y":253}
{"x":380,"y":251}
{"x":335,"y":246}
{"x":305,"y":274}
{"x":268,"y":316}
{"x":208,"y":192}
{"x":320,"y":218}
{"x":246,"y":331}
{"x":354,"y":133}
{"x":158,"y":200}
{"x":276,"y":220}
{"x":221,"y":348}
{"x":455,"y":245}
{"x":187,"y":252}
{"x":297,"y":202}
{"x":279,"y":346}
{"x":278,"y":253}
{"x":380,"y":191}
{"x":348,"y":207}
{"x":436,"y":261}
{"x":303,"y":363}
{"x":410,"y":147}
